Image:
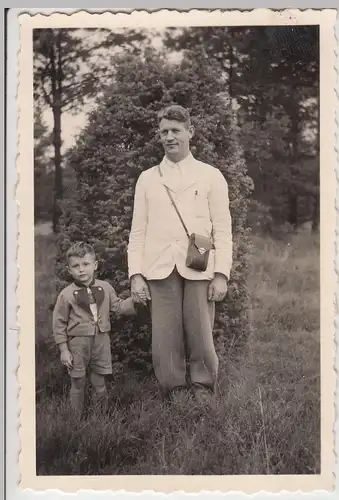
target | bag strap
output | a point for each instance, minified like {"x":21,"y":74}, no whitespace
{"x":174,"y":205}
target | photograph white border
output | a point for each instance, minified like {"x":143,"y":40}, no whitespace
{"x":25,"y":290}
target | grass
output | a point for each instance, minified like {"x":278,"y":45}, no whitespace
{"x":268,"y":417}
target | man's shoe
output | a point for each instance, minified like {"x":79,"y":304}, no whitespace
{"x":205,"y":397}
{"x":179,"y":395}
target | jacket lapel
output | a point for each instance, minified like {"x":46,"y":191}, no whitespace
{"x":188,"y":178}
{"x":170,"y":180}
{"x":99,"y":295}
{"x":166,"y":177}
{"x":81,"y":297}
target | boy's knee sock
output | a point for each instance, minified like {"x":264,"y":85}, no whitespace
{"x":99,"y":390}
{"x":77,"y":393}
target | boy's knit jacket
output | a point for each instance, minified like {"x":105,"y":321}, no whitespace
{"x":72,"y":315}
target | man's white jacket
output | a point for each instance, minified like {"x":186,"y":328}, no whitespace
{"x":158,"y":241}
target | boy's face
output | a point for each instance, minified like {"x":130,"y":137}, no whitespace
{"x":82,"y":268}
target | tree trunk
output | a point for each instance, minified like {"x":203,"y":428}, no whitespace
{"x":58,"y":184}
{"x":56,"y":77}
{"x":293,"y":199}
{"x":230,"y":74}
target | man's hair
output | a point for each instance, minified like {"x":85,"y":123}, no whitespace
{"x":177,"y":113}
{"x":80,"y":249}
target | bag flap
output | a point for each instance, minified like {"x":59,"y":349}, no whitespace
{"x":202,"y":243}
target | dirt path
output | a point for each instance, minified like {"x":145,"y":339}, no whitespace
{"x":43,"y":228}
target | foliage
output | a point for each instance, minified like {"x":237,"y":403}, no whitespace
{"x":144,"y":435}
{"x":77,"y":62}
{"x":119,"y":143}
{"x":272,"y":76}
{"x":68,"y":68}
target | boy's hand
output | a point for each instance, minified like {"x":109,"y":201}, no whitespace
{"x":66,"y":358}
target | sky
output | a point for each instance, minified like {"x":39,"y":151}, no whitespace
{"x":72,"y":124}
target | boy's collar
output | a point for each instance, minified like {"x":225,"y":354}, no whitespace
{"x":81,"y":295}
{"x":79,"y":284}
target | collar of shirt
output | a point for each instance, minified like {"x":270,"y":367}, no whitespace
{"x":79,"y":284}
{"x":183,"y":163}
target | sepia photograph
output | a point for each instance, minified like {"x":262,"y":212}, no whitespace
{"x":217,"y":372}
{"x":177,"y":250}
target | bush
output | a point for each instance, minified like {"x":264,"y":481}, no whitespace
{"x":116,"y":146}
{"x":143,"y":435}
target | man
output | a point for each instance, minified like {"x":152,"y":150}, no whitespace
{"x":182,"y":299}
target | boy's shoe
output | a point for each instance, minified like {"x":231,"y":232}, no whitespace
{"x":100,"y":404}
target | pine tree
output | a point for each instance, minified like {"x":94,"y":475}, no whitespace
{"x":272,"y":73}
{"x":67,"y":71}
{"x":43,"y":181}
{"x":118,"y":144}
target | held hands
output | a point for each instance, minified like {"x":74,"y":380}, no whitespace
{"x":139,"y":290}
{"x":217,"y":288}
{"x":66,"y":357}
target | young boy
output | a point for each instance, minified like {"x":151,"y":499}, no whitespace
{"x":81,"y":325}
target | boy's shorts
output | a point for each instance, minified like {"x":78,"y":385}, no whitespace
{"x":93,"y":352}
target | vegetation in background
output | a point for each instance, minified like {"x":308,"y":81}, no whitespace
{"x":268,"y":418}
{"x":269,"y":74}
{"x":254,"y":100}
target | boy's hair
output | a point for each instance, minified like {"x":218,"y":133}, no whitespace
{"x":177,"y":113}
{"x":80,"y":249}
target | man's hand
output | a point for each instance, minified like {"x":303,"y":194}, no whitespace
{"x":139,"y":290}
{"x":217,"y":288}
{"x":66,"y":357}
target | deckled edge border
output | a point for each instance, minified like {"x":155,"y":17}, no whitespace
{"x":123,"y":11}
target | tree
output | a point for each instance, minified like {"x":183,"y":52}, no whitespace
{"x":225,"y":45}
{"x":118,"y":143}
{"x":66,"y":73}
{"x":272,"y":76}
{"x":43,"y":187}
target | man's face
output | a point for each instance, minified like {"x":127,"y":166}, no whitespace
{"x":82,"y":268}
{"x":175,"y":138}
